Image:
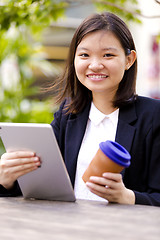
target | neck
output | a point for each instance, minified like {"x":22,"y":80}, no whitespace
{"x":103,"y":103}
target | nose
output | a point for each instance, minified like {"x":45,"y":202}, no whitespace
{"x":96,"y":65}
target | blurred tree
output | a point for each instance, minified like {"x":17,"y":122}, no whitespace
{"x":127,"y":9}
{"x":21,"y":25}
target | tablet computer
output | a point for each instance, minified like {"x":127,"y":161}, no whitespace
{"x":51,"y":181}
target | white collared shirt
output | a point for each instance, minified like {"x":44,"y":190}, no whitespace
{"x":100,"y":127}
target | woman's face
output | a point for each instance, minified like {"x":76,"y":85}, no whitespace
{"x":100,"y":62}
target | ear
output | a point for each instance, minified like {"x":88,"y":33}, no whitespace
{"x":130,"y":59}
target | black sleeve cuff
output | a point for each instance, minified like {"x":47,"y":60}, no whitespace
{"x":14,"y":192}
{"x":147,"y":199}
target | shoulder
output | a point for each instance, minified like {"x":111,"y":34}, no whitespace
{"x":146,"y":104}
{"x":148,"y":111}
{"x":61,"y":116}
{"x":143,"y":109}
{"x":144,"y":100}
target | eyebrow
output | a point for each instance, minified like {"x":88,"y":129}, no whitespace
{"x":104,"y":49}
{"x":110,"y":48}
{"x":82,"y":48}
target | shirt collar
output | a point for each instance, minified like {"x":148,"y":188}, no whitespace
{"x":97,"y":116}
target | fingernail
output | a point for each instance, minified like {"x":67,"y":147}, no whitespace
{"x":88,"y":184}
{"x":37,"y":163}
{"x":105,"y":174}
{"x":92,"y":178}
{"x":32,"y":154}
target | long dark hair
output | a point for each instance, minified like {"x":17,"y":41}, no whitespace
{"x":70,"y":87}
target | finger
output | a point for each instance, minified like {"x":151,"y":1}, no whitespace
{"x":18,"y":162}
{"x":98,"y":188}
{"x":100,"y":194}
{"x":107,"y":183}
{"x":100,"y":191}
{"x":106,"y":193}
{"x":98,"y":180}
{"x":109,"y":197}
{"x":26,"y":168}
{"x":101,"y":181}
{"x":18,"y":154}
{"x":112,"y":176}
{"x":21,"y":168}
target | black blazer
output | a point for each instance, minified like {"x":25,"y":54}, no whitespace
{"x":138,"y":131}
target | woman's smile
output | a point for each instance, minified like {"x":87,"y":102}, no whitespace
{"x":96,"y":77}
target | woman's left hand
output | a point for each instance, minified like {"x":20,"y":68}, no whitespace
{"x":111,"y":187}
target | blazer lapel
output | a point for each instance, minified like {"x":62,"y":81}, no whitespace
{"x":75,"y":130}
{"x":125,"y":129}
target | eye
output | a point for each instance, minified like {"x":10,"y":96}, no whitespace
{"x":108,"y":55}
{"x":84,"y":55}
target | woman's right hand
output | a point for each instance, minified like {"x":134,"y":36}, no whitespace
{"x":15,"y":164}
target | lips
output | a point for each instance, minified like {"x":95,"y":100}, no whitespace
{"x":97,"y":76}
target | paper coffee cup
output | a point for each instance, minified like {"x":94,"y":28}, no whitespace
{"x":110,"y":157}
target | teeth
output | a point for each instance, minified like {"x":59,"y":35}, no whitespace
{"x":97,"y":76}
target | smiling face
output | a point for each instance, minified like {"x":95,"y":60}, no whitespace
{"x":100,"y":62}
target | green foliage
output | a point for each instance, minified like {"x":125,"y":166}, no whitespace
{"x":16,"y":83}
{"x":127,"y":9}
{"x":32,"y":13}
{"x":21,"y":25}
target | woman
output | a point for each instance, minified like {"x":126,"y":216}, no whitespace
{"x":100,"y":103}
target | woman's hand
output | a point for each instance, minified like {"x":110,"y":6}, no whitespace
{"x":111,"y":187}
{"x":15,"y":164}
